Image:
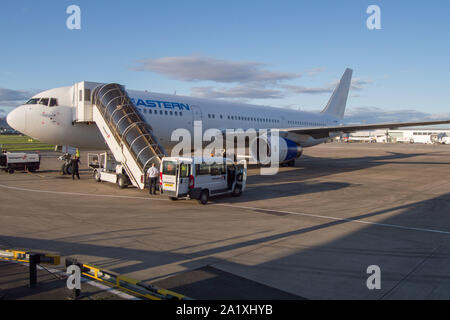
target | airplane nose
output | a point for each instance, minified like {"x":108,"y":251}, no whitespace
{"x":16,"y":119}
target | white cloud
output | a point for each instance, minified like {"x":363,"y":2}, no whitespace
{"x":357,"y":85}
{"x":8,"y":95}
{"x":199,"y":68}
{"x":10,"y":99}
{"x":255,"y":81}
{"x":376,"y":115}
{"x":314,"y":71}
{"x":240,"y":92}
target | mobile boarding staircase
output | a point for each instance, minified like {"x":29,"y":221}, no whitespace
{"x":129,"y":138}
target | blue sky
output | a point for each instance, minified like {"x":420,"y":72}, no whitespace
{"x":279,"y":53}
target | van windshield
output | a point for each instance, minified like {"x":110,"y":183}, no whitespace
{"x":169,"y":168}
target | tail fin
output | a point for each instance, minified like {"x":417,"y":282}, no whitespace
{"x":336,"y":104}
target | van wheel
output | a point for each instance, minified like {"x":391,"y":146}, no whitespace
{"x":237,"y":191}
{"x":11,"y":171}
{"x":32,"y":170}
{"x":122,"y":181}
{"x":97,"y":176}
{"x":204,"y":197}
{"x":173,"y":198}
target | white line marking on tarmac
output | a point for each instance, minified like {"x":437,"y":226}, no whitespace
{"x":244,"y":207}
{"x":340,"y":219}
{"x":80,"y":194}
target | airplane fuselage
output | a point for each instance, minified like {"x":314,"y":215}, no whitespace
{"x":58,"y":124}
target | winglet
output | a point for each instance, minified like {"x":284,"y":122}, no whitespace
{"x":336,"y":105}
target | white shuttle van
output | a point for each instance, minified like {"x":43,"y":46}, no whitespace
{"x":201,"y":178}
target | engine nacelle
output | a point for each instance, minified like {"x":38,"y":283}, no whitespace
{"x":264,"y":150}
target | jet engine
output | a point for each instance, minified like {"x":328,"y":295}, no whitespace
{"x":265,"y":149}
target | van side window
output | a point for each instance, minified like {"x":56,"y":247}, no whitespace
{"x":217,"y":169}
{"x":202,"y":169}
{"x":184,"y":170}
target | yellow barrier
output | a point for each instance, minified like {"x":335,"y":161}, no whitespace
{"x":122,"y":282}
{"x":24,"y":256}
{"x":127,"y":284}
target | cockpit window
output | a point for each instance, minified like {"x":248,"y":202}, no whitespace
{"x":53,"y":102}
{"x":33,"y":101}
{"x":44,"y":101}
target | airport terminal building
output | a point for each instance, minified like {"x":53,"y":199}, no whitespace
{"x":406,"y":135}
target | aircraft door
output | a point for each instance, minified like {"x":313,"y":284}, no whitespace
{"x":196,"y":113}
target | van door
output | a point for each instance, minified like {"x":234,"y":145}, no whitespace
{"x":241,"y":172}
{"x":169,"y":176}
{"x":184,"y":170}
{"x":218,"y":178}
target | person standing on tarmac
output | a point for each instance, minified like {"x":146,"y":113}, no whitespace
{"x":75,"y":164}
{"x":152,"y":175}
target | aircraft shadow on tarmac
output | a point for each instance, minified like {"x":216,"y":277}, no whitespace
{"x":281,"y":190}
{"x":291,"y":181}
{"x":309,"y":167}
{"x":411,"y":245}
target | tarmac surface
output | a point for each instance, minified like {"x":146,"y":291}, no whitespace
{"x":311,"y":231}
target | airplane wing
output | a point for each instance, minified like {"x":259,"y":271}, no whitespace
{"x":324,"y":132}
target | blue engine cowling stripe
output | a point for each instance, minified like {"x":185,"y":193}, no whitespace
{"x":292,"y":150}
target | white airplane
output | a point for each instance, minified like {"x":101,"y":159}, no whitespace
{"x":53,"y":117}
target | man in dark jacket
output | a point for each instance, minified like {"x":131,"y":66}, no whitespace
{"x":75,"y":164}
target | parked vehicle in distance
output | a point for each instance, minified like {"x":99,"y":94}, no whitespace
{"x":10,"y":161}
